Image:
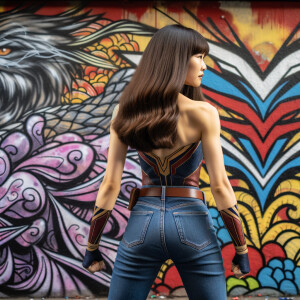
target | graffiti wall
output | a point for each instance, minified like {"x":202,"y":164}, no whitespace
{"x":62,"y":70}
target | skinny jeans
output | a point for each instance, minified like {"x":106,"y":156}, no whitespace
{"x":161,"y":228}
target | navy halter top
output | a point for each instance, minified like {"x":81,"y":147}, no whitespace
{"x":180,"y":168}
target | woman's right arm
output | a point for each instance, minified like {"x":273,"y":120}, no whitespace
{"x":213,"y":156}
{"x":220,"y":186}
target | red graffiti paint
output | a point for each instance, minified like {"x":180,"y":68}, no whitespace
{"x":255,"y":259}
{"x":280,"y":13}
{"x":264,"y":133}
{"x":271,"y":251}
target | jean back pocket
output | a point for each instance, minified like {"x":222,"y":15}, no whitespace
{"x":137,"y":228}
{"x":193,"y":228}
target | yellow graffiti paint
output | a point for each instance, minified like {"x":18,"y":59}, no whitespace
{"x":266,"y":39}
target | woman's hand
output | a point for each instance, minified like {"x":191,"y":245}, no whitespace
{"x":240,"y":265}
{"x":96,"y":266}
{"x":93,"y":261}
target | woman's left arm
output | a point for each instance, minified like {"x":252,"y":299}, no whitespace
{"x":106,"y":199}
{"x":111,"y":184}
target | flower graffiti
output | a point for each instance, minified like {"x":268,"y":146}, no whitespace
{"x":281,"y":275}
{"x":43,"y":225}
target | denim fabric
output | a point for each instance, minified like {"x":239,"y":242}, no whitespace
{"x":160,"y":228}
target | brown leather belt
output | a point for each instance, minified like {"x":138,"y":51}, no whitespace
{"x":172,"y":192}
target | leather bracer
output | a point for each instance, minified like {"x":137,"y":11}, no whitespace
{"x":233,"y":223}
{"x":99,"y":220}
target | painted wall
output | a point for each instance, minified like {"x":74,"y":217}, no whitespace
{"x":62,"y":70}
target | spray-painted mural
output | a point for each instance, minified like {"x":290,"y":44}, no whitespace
{"x":62,"y":70}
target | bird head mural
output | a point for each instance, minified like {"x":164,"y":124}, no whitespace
{"x":40,"y":56}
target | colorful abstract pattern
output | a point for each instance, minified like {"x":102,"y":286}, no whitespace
{"x":62,"y":70}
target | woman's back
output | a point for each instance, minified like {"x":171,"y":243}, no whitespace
{"x":188,"y":128}
{"x":180,"y":165}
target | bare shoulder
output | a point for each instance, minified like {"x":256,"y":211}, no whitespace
{"x":203,"y":114}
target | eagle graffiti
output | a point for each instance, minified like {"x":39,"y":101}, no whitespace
{"x":40,"y":56}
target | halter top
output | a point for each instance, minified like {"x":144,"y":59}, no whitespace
{"x":180,"y":168}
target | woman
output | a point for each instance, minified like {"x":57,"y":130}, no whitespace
{"x":162,"y":114}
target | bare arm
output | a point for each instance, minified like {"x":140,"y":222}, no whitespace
{"x":213,"y":156}
{"x":107,"y":195}
{"x":110,"y":186}
{"x":222,"y":190}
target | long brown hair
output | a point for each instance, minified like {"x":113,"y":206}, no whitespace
{"x":148,"y":110}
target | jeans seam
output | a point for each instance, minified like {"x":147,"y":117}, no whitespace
{"x":187,"y":242}
{"x":204,"y":244}
{"x":142,"y":212}
{"x":148,"y":204}
{"x":162,"y":220}
{"x":190,"y":213}
{"x":143,"y":233}
{"x":182,"y":205}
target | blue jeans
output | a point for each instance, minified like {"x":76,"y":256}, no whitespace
{"x":160,"y":228}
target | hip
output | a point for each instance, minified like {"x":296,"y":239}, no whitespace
{"x":165,"y":218}
{"x":192,"y":197}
